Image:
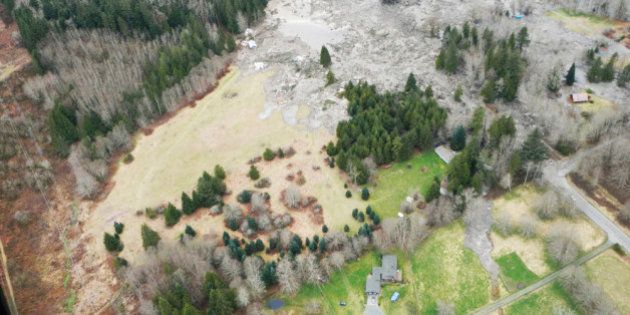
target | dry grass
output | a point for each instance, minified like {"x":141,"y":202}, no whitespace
{"x":597,"y":104}
{"x":612,"y":274}
{"x":218,"y":130}
{"x":582,"y":23}
{"x":519,"y":203}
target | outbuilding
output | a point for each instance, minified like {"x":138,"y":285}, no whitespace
{"x":577,"y":98}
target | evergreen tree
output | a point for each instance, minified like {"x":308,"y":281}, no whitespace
{"x":219,"y":172}
{"x":112,"y":243}
{"x":501,"y":127}
{"x":346,"y":228}
{"x":221,"y":302}
{"x":324,"y":57}
{"x":594,"y":74}
{"x":608,"y":72}
{"x":475,"y":36}
{"x":119,"y":227}
{"x":171,"y":215}
{"x":569,"y":79}
{"x":533,"y":148}
{"x":62,"y":123}
{"x":458,"y":139}
{"x":331,"y":149}
{"x":440,"y":61}
{"x":325,"y":229}
{"x":187,"y":204}
{"x":489,"y":92}
{"x":434,"y":191}
{"x":269,"y":155}
{"x":624,"y":76}
{"x":268,"y":275}
{"x":411,"y":84}
{"x":149,"y":237}
{"x":523,"y":38}
{"x":477,"y":123}
{"x":365,"y":193}
{"x":253,"y":173}
{"x":451,"y":59}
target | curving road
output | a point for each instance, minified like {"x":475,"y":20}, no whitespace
{"x":556,"y":173}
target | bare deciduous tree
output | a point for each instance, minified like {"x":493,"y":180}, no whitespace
{"x":292,"y":197}
{"x":288,"y":278}
{"x":562,"y":247}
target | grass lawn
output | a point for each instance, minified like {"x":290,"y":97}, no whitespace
{"x":514,"y":273}
{"x":344,"y":285}
{"x":394,"y":184}
{"x":543,"y":301}
{"x":597,"y":104}
{"x":440,"y":269}
{"x":612,"y":274}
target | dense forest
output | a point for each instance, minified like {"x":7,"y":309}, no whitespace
{"x":385,"y":127}
{"x":504,"y":63}
{"x":109,"y":67}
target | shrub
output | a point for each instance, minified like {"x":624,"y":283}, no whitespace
{"x":253,"y":173}
{"x":325,"y":229}
{"x":171,"y":215}
{"x":458,"y":94}
{"x":151,"y":213}
{"x":120,"y":262}
{"x":119,"y":227}
{"x":330,"y":78}
{"x":346,"y":228}
{"x":112,"y":243}
{"x":149,"y":237}
{"x":361,"y":217}
{"x":269,"y":155}
{"x":190,"y":231}
{"x":355,"y":213}
{"x":128,"y":158}
{"x":348,"y":194}
{"x":365,"y":194}
{"x":245,"y":196}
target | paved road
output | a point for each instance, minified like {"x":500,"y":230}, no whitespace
{"x":542,"y":282}
{"x":556,"y":173}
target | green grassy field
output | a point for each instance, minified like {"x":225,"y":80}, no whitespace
{"x":543,"y":301}
{"x":514,"y":273}
{"x":440,"y":269}
{"x":394,"y":184}
{"x":344,"y":285}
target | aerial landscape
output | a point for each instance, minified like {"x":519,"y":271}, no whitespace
{"x":314,"y":157}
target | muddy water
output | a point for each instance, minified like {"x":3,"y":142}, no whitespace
{"x":312,"y":33}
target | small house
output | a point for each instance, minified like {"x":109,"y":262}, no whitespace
{"x":577,"y":98}
{"x":445,"y":153}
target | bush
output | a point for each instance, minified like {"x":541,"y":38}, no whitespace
{"x":330,"y":78}
{"x":253,"y":173}
{"x":458,"y":94}
{"x":269,"y":155}
{"x":150,"y":213}
{"x":190,"y":231}
{"x":245,"y":196}
{"x":565,"y":147}
{"x":120,"y":262}
{"x":112,"y":243}
{"x":128,"y":158}
{"x":365,"y":194}
{"x":149,"y":237}
{"x":171,"y":215}
{"x":119,"y":227}
{"x":348,"y":194}
{"x":325,"y":229}
{"x":346,"y":228}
